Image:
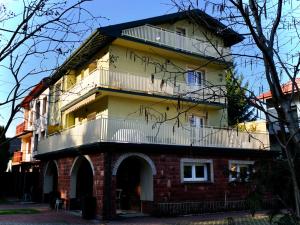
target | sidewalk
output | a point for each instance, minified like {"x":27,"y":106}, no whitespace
{"x":47,"y":216}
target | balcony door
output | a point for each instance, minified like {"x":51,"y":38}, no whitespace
{"x":197,"y":132}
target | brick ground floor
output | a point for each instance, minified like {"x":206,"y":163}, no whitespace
{"x":139,"y":178}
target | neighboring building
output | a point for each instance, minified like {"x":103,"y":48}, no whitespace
{"x":33,"y":128}
{"x":14,"y":146}
{"x":254,"y":126}
{"x":273,"y":124}
{"x":105,"y":99}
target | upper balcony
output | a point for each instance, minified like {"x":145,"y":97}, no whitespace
{"x":143,"y":84}
{"x":140,"y":132}
{"x":23,"y":129}
{"x":171,"y":39}
{"x":20,"y":129}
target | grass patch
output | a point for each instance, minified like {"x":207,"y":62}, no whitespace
{"x":18,"y":211}
{"x":3,"y":201}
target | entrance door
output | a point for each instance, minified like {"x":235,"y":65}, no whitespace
{"x":134,"y":185}
{"x":129,"y":185}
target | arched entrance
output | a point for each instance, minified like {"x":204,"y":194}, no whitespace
{"x":82,"y":174}
{"x":50,"y":180}
{"x":134,"y":182}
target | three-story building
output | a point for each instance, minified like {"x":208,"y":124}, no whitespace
{"x":137,"y":118}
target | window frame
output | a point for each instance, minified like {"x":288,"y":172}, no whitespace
{"x":193,"y":118}
{"x":37,"y":109}
{"x":44,"y":107}
{"x":239,"y":164}
{"x":200,"y":82}
{"x":208,"y":166}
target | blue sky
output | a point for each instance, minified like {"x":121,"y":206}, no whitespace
{"x":116,"y":11}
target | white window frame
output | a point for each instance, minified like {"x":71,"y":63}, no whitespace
{"x":194,"y":162}
{"x":201,"y":81}
{"x":194,"y":118}
{"x":239,"y":164}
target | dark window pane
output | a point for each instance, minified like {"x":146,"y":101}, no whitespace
{"x":187,"y":171}
{"x":200,"y":171}
{"x":233,"y":170}
{"x":244,"y":172}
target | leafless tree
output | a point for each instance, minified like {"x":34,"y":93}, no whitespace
{"x":36,"y":35}
{"x":271,"y":31}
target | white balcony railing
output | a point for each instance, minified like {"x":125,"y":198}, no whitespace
{"x":129,"y":131}
{"x":171,"y":39}
{"x":142,"y":83}
{"x":27,"y":157}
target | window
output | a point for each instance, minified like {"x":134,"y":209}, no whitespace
{"x":196,"y":121}
{"x":36,"y":139}
{"x":196,"y":170}
{"x":37,"y":110}
{"x":44,"y":105}
{"x":31,"y":118}
{"x":43,"y":135}
{"x":195,"y":78}
{"x":240,"y":170}
{"x":180,"y":31}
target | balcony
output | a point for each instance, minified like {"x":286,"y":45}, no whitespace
{"x":141,"y":132}
{"x":23,"y":129}
{"x":17,"y":158}
{"x":27,"y":157}
{"x":142,"y":83}
{"x":171,"y":39}
{"x":20,"y":129}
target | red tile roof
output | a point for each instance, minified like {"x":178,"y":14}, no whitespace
{"x":42,"y":85}
{"x":287,"y":88}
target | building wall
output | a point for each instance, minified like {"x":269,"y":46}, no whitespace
{"x":199,"y":33}
{"x":35,"y":122}
{"x":144,"y":63}
{"x":167,"y":181}
{"x":118,"y":58}
{"x":122,"y":107}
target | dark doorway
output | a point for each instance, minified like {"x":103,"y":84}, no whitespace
{"x":84,"y":182}
{"x":129,"y":185}
{"x":50,"y":180}
{"x":82,"y":179}
{"x":134,"y":184}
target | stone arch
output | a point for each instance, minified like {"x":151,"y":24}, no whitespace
{"x":134,"y":174}
{"x":51,"y":174}
{"x":76,"y":167}
{"x":80,"y":158}
{"x":140,"y":155}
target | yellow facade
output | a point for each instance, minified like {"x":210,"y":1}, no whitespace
{"x":142,"y":60}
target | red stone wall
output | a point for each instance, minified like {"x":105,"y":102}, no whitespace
{"x":167,"y":182}
{"x":64,"y":178}
{"x":169,"y":188}
{"x":64,"y":167}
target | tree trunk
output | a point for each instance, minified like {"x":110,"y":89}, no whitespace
{"x":295,"y":182}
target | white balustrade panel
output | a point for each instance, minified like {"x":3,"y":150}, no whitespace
{"x":133,"y":131}
{"x":142,"y":83}
{"x":171,"y":39}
